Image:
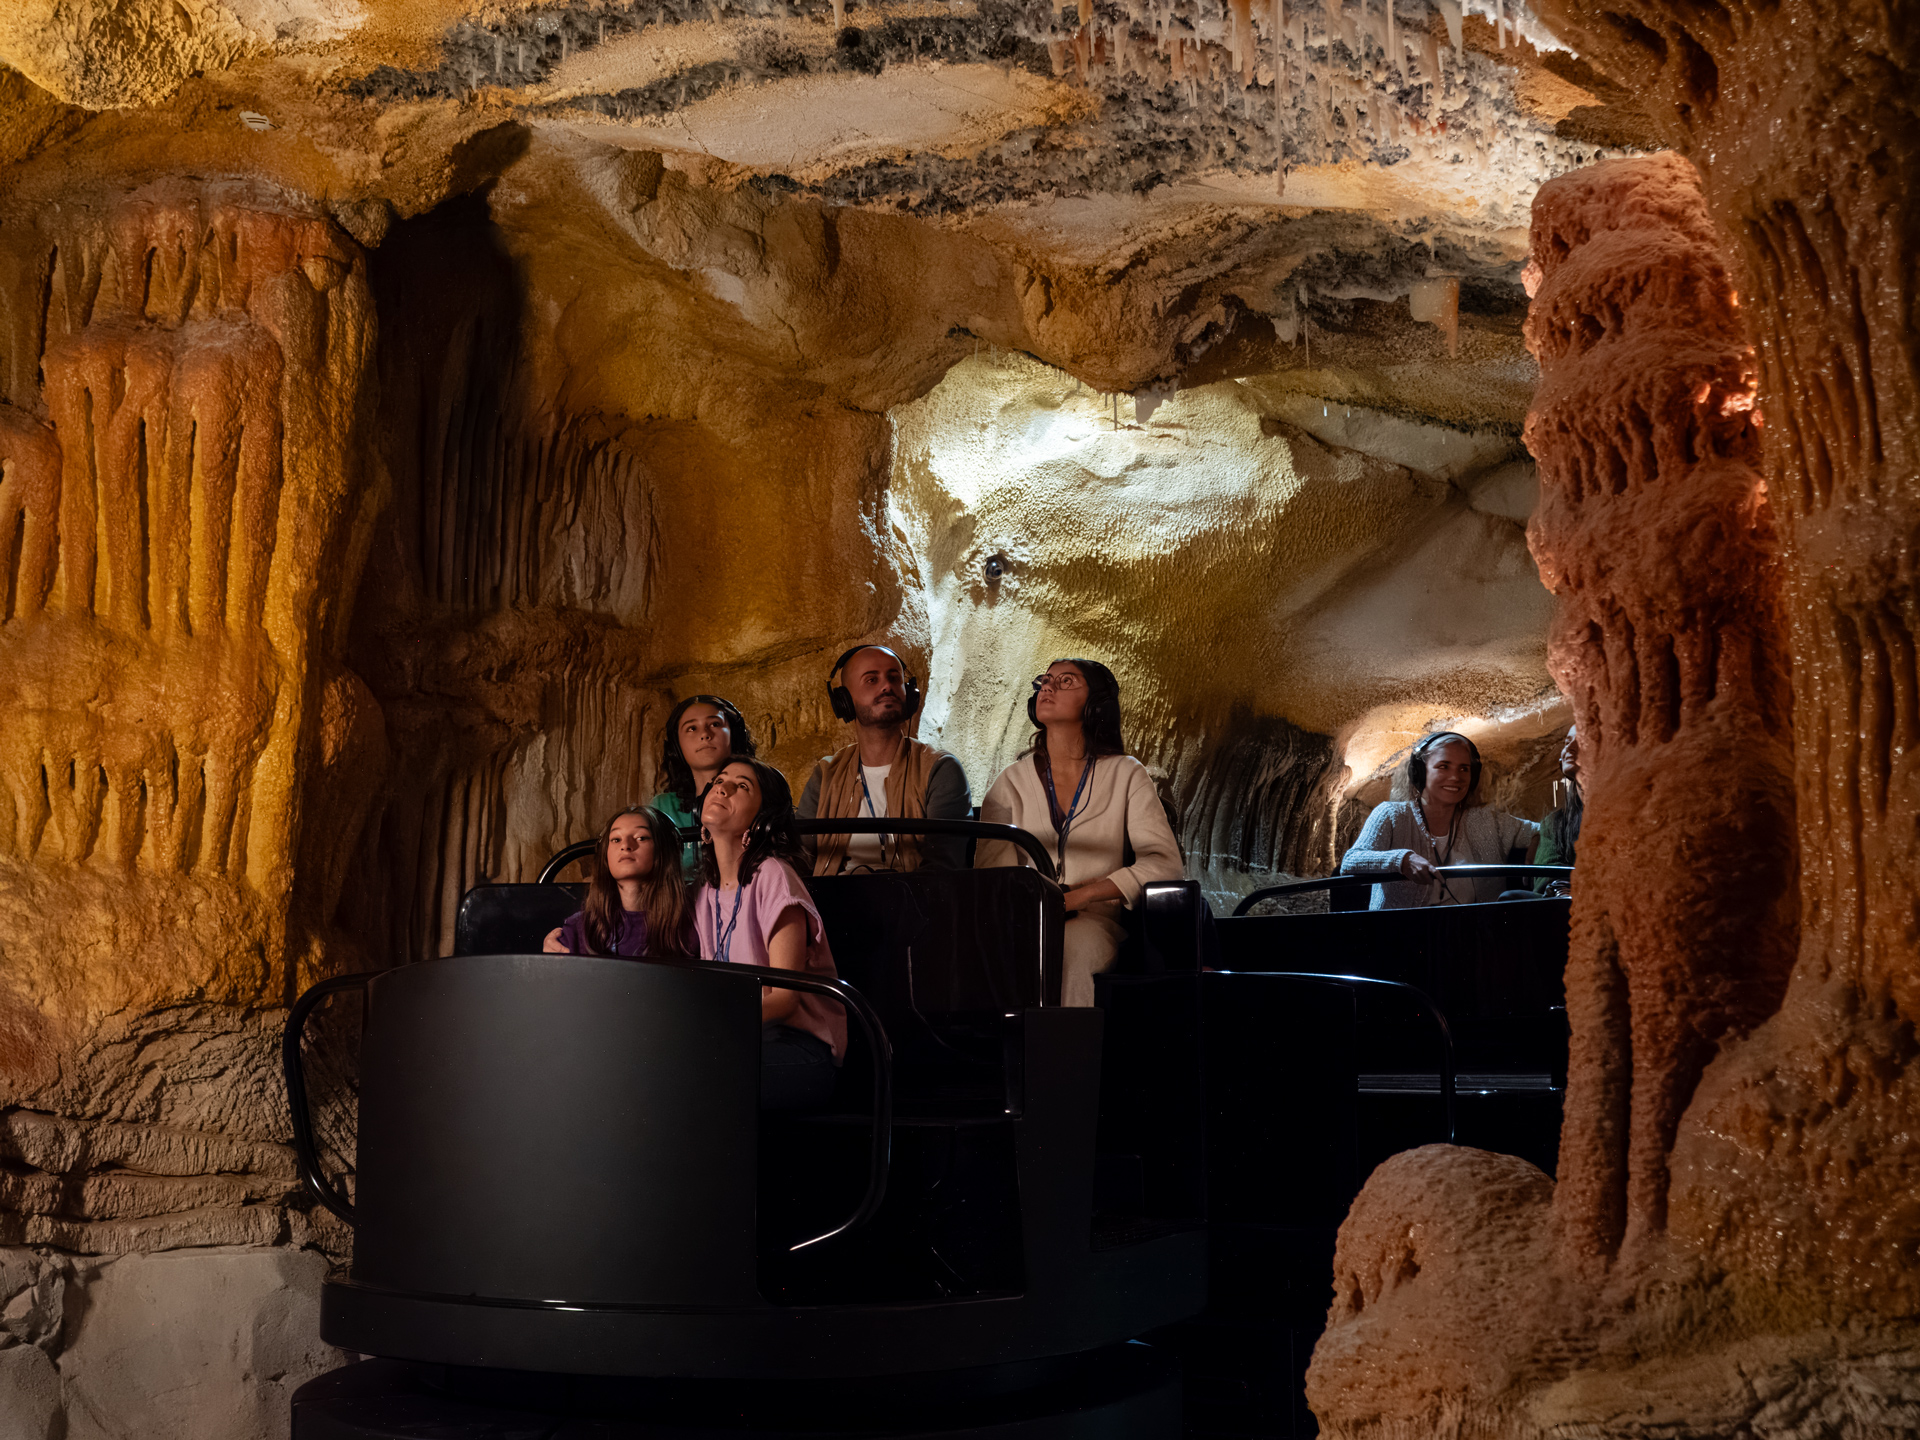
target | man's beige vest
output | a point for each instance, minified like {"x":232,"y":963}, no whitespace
{"x":906,"y":797}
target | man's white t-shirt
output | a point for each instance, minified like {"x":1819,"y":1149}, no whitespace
{"x":863,"y":851}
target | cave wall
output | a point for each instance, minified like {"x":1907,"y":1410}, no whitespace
{"x":188,"y":496}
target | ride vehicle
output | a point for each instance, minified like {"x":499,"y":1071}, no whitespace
{"x":568,"y":1210}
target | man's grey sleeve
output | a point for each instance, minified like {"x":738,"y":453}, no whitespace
{"x":948,"y":798}
{"x":809,"y":806}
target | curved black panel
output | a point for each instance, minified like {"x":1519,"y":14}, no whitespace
{"x":559,"y":1128}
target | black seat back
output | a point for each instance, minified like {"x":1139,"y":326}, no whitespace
{"x":511,"y":919}
{"x":534,"y":1126}
{"x":946,"y":956}
{"x":1176,"y":928}
{"x":944,"y":942}
{"x":1496,"y":970}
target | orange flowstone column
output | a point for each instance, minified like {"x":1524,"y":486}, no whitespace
{"x":1804,"y":121}
{"x":1654,"y":533}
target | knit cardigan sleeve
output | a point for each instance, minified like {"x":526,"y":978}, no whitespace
{"x":1156,"y":853}
{"x":1369,"y":854}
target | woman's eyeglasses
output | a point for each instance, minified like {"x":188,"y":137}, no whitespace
{"x":1058,"y":682}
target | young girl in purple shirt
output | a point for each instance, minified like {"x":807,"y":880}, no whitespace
{"x":753,"y":909}
{"x":637,"y":903}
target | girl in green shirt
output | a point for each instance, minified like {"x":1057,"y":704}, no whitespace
{"x":704,"y":732}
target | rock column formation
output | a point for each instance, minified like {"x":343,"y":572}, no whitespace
{"x":1654,"y":532}
{"x":1802,"y":120}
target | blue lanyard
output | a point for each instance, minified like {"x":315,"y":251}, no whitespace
{"x":723,"y":939}
{"x":1066,"y":821}
{"x":867,"y":795}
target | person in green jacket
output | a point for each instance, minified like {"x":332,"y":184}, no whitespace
{"x":1560,"y":831}
{"x":704,"y":732}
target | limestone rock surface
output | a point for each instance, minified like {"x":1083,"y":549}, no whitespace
{"x":201,"y":1344}
{"x":1235,"y":565}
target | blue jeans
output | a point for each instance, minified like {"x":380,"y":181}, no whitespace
{"x":796,"y":1069}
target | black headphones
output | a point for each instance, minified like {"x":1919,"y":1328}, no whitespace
{"x":842,"y":702}
{"x":1417,"y":762}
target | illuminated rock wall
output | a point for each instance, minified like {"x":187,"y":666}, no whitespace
{"x":1275,"y":604}
{"x":188,"y":496}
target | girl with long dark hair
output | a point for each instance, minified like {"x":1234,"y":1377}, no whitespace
{"x":703,"y":733}
{"x":752,"y":908}
{"x":1089,"y":802}
{"x":637,"y":902}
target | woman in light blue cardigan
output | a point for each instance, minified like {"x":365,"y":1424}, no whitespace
{"x":1444,"y":824}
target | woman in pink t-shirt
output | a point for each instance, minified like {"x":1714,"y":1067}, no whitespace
{"x":752,"y":908}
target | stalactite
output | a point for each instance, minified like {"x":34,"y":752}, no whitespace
{"x":183,"y":509}
{"x":1243,"y":38}
{"x":1279,"y":97}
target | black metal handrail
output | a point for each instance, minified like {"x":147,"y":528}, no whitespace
{"x":880,"y":1156}
{"x":1447,"y":1076}
{"x":868,"y":825}
{"x":581,"y":850}
{"x":1347,"y":882}
{"x":305,"y":1151}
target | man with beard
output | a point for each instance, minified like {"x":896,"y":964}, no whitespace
{"x":883,"y":772}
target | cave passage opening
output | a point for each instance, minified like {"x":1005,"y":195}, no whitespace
{"x":1291,"y":587}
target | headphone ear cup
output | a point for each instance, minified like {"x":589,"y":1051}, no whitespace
{"x":841,"y":701}
{"x":913,"y":698}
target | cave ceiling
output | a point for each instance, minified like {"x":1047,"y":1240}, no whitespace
{"x":1184,"y":211}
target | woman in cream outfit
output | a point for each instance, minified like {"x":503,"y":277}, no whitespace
{"x":1089,"y":802}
